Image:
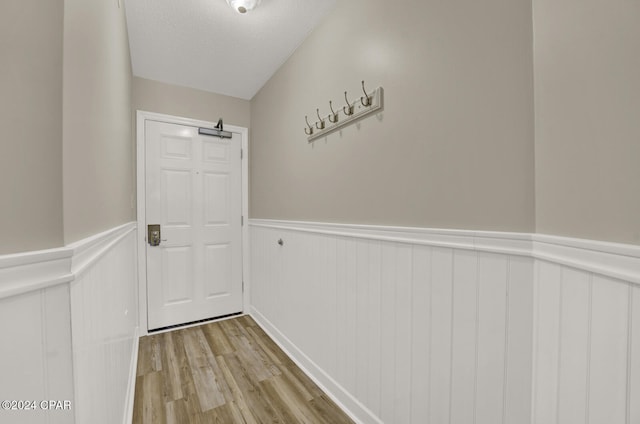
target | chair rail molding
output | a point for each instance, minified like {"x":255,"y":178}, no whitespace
{"x":87,"y":251}
{"x":614,"y":260}
{"x":29,"y":271}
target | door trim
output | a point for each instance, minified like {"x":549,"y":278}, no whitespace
{"x":141,"y":117}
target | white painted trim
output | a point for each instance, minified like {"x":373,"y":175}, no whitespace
{"x":87,"y":251}
{"x":597,"y":246}
{"x":620,"y":261}
{"x":131,"y":387}
{"x":246,"y":249}
{"x":349,"y":404}
{"x":30,"y":271}
{"x":141,"y":116}
{"x":499,"y":242}
{"x":141,"y":213}
{"x":33,"y":257}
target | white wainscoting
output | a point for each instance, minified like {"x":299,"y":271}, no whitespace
{"x":104,"y":322}
{"x":404,"y":325}
{"x":587,"y":332}
{"x":35,"y":349}
{"x":68,"y":319}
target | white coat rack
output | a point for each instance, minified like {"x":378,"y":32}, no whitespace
{"x":348,"y":114}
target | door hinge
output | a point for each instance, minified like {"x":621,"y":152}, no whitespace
{"x":242,"y":286}
{"x":242,"y":220}
{"x":241,"y":153}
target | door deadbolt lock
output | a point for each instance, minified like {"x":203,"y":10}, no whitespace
{"x":153,"y":235}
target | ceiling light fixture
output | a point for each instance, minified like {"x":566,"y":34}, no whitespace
{"x":243,"y":6}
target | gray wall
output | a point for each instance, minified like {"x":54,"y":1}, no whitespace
{"x":98,"y":168}
{"x":66,"y":160}
{"x":31,"y":34}
{"x":587,"y":91}
{"x":154,"y":96}
{"x":454,"y":145}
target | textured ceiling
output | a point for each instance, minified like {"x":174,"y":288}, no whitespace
{"x":205,"y":44}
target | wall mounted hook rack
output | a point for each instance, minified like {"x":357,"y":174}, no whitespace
{"x":351,"y":112}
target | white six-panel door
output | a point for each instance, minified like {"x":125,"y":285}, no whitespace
{"x":193,"y":191}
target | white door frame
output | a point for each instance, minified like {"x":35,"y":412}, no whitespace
{"x":141,"y":117}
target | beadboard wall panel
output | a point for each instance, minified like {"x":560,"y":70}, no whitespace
{"x":400,"y":332}
{"x":36,"y":354}
{"x":586,"y":347}
{"x":519,"y":347}
{"x":104,"y":317}
{"x":407,"y":325}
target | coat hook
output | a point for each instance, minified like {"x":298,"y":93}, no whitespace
{"x":310,"y":130}
{"x":368,"y":102}
{"x":348,"y":109}
{"x":333,"y":118}
{"x":321,"y":120}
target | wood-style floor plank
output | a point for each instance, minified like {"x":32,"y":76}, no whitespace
{"x":173,"y":384}
{"x":138,"y":401}
{"x":153,"y":405}
{"x":144,"y":356}
{"x":177,"y":412}
{"x":220,"y":344}
{"x":203,"y":377}
{"x":225,"y":372}
{"x":238,"y":396}
{"x":246,"y":351}
{"x":258,"y":403}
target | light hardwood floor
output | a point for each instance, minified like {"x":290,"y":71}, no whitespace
{"x":224,"y":372}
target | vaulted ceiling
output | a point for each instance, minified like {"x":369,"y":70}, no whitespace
{"x":205,"y":44}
